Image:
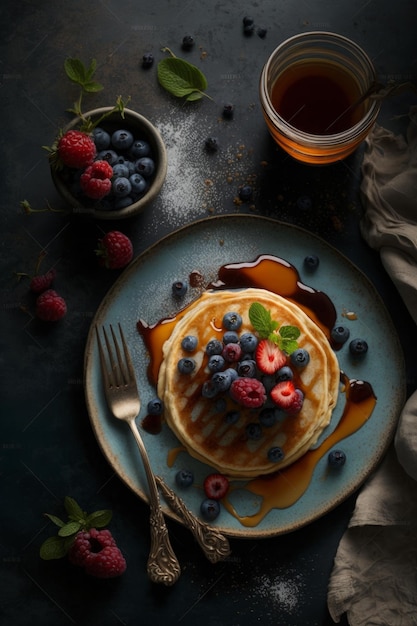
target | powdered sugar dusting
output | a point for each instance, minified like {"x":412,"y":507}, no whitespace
{"x":199,"y":183}
{"x":284,"y":593}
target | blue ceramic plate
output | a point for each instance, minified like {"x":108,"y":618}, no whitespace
{"x":143,"y":291}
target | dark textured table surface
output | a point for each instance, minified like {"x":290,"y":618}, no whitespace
{"x":47,"y":447}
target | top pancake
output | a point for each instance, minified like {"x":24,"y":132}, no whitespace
{"x":197,"y":421}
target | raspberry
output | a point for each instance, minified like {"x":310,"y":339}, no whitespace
{"x":76,"y":149}
{"x":115,"y":250}
{"x":95,"y":180}
{"x":96,"y":551}
{"x":248,"y":392}
{"x":42,"y":282}
{"x":216,"y":486}
{"x":50,"y":307}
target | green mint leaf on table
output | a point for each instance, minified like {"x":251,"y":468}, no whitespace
{"x":73,"y":509}
{"x":57,"y":546}
{"x":181,"y":78}
{"x":71,"y":528}
{"x":99,"y":519}
{"x":53,"y":548}
{"x":56,"y":520}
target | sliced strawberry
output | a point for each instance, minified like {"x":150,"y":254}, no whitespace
{"x":287,"y":397}
{"x":269,"y":357}
{"x":216,"y":486}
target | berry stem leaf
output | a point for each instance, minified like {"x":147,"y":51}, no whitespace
{"x":82,"y":75}
{"x":73,"y":509}
{"x":69,"y":529}
{"x":54,"y":548}
{"x":56,"y":520}
{"x":181,"y":78}
{"x":98,"y":519}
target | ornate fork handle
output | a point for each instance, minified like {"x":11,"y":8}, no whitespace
{"x":163,"y":566}
{"x":214,"y":545}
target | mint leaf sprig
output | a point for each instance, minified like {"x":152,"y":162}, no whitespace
{"x":181,"y":78}
{"x":57,"y":546}
{"x":284,"y":336}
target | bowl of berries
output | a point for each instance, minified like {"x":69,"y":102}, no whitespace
{"x":110,"y":164}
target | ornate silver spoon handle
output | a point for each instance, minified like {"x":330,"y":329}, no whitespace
{"x":214,"y":545}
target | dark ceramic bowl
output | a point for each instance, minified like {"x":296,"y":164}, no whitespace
{"x":141,"y":129}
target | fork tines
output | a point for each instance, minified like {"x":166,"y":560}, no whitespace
{"x":121,"y":368}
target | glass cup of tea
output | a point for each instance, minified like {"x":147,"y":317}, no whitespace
{"x":312,"y":91}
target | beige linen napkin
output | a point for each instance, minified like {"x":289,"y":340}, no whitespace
{"x":374,"y":578}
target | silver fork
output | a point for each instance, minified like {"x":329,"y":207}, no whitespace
{"x":120,"y":388}
{"x":123,"y":399}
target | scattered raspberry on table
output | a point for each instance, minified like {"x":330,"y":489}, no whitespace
{"x":115,"y":250}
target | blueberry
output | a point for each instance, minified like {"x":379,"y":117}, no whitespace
{"x":216,"y":363}
{"x":108,"y":155}
{"x":145,"y":166}
{"x":336,"y":458}
{"x":248,"y":342}
{"x":211,"y":144}
{"x":228,"y":111}
{"x":214,"y":346}
{"x":253,"y":431}
{"x":122,"y":203}
{"x":179,"y":288}
{"x":245,"y":193}
{"x":261,"y":32}
{"x":147,"y":59}
{"x":284,"y":373}
{"x":267,"y":417}
{"x":248,"y":20}
{"x":304,"y":203}
{"x":186,"y":365}
{"x":232,"y":321}
{"x":210,"y":509}
{"x":248,"y":25}
{"x":139,"y":148}
{"x":358,"y":347}
{"x":121,"y":187}
{"x":120,"y":170}
{"x":230,"y":371}
{"x":122,"y":139}
{"x":311,"y":262}
{"x":189,"y":343}
{"x":184,"y":478}
{"x":139,"y":184}
{"x":300,"y":357}
{"x":275,"y":454}
{"x":222,"y":381}
{"x":230,"y":336}
{"x":208,"y":390}
{"x":155,"y":406}
{"x":231,"y":417}
{"x":247,"y":369}
{"x":340,"y":334}
{"x":101,"y":138}
{"x":187,"y":42}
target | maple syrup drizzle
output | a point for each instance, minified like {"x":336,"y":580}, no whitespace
{"x":284,"y":488}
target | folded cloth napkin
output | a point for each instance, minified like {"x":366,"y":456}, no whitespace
{"x":374,"y":577}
